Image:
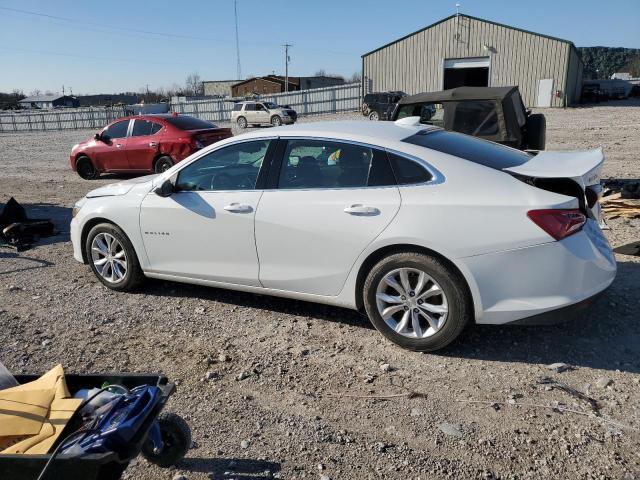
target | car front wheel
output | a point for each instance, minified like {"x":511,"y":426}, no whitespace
{"x":242,"y":122}
{"x":113,"y":258}
{"x":417,"y":301}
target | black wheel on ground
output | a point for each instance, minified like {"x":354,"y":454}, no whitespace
{"x":417,"y":301}
{"x":85,"y":168}
{"x":276,"y":121}
{"x":536,"y":131}
{"x":242,"y":122}
{"x":176,"y":436}
{"x":113,"y":258}
{"x":365,"y":110}
{"x":163,"y":164}
{"x":374,"y":116}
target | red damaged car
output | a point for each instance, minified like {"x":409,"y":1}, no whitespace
{"x":143,"y":143}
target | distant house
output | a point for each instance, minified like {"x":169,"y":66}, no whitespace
{"x":218,"y":88}
{"x":107,"y":99}
{"x":49,"y":101}
{"x":272,"y":84}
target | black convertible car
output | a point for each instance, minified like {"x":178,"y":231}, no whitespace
{"x":493,"y":113}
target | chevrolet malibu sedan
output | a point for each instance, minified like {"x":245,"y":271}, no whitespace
{"x":143,"y":144}
{"x":423,"y":229}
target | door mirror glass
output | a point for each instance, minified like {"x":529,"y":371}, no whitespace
{"x":164,"y":190}
{"x":97,"y":136}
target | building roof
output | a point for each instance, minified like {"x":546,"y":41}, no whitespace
{"x":221,"y":81}
{"x":42,"y":98}
{"x":480,"y":20}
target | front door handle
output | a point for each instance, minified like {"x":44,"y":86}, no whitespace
{"x":118,"y":145}
{"x":238,"y":208}
{"x":153,"y":144}
{"x":359,"y":209}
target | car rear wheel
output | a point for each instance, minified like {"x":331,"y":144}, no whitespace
{"x":416,"y":301}
{"x":163,"y":164}
{"x":85,"y":168}
{"x":374,"y":116}
{"x":276,"y":121}
{"x":113,"y":258}
{"x":242,"y":122}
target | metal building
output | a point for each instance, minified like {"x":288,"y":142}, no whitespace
{"x":463,"y":50}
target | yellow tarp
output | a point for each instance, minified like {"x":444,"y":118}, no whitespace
{"x":33,"y":415}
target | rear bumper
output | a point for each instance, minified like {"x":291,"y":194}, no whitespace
{"x":529,"y":282}
{"x":560,"y":315}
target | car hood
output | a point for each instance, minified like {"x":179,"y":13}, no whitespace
{"x":119,"y":188}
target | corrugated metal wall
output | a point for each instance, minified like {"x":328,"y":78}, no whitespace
{"x":414,"y":64}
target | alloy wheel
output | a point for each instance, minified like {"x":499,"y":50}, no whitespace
{"x":108,"y":257}
{"x":411,"y":303}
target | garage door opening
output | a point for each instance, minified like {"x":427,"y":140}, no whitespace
{"x":466,"y":72}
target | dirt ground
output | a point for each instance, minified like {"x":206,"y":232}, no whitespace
{"x":263,"y":382}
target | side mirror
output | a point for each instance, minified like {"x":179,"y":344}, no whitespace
{"x":164,"y":190}
{"x":97,"y":136}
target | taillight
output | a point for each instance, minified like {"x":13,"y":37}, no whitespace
{"x":558,"y":223}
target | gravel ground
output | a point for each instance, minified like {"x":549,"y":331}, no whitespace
{"x":262,"y":380}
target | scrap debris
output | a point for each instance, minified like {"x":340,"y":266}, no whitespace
{"x":19,"y":231}
{"x":621,"y":198}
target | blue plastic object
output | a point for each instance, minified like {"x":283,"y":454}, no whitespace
{"x":115,"y":427}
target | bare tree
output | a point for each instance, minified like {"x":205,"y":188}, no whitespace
{"x":320,"y":73}
{"x":34,"y":93}
{"x":194,"y":84}
{"x":356,"y":77}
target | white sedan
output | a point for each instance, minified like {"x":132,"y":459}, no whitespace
{"x":424,"y":230}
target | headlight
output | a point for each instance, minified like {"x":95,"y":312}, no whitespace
{"x":78,"y":205}
{"x":285,"y":114}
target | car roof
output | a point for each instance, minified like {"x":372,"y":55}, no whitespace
{"x":365,"y":131}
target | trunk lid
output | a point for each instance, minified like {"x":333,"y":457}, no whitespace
{"x":551,"y":170}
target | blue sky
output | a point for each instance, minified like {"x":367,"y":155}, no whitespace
{"x":97,"y":46}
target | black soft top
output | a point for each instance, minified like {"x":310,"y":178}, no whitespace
{"x":460,"y":93}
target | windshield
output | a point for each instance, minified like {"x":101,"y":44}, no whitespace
{"x":476,"y":150}
{"x":270,"y":105}
{"x":185,"y":122}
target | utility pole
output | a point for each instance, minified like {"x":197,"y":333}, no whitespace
{"x":238,"y":69}
{"x":63,"y":90}
{"x":286,"y":66}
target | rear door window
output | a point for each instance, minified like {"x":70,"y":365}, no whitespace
{"x":309,"y":163}
{"x":144,"y":127}
{"x":476,"y":150}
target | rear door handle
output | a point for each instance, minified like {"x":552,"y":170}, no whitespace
{"x":118,"y":145}
{"x":238,"y":208}
{"x":153,"y":144}
{"x":359,"y":209}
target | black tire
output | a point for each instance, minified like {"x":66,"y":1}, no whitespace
{"x":365,"y":110}
{"x":176,"y":435}
{"x":242,"y":122}
{"x":276,"y":121}
{"x":536,"y":131}
{"x":163,"y":164}
{"x":374,"y":116}
{"x":460,"y":311}
{"x":86,"y":169}
{"x":133,"y":276}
